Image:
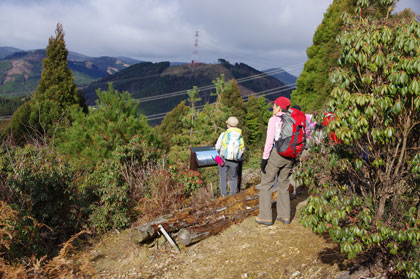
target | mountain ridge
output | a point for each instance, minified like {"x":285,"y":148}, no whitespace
{"x":149,"y":82}
{"x":160,"y":87}
{"x":281,"y":75}
{"x":20,"y":70}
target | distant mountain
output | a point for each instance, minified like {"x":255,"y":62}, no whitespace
{"x":74,"y":56}
{"x":281,"y":75}
{"x":155,"y":80}
{"x":129,"y":60}
{"x":5,"y":51}
{"x":21,"y":70}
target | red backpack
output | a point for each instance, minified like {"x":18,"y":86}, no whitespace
{"x":292,"y":138}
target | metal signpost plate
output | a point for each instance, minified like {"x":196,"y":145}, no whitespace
{"x":203,"y":157}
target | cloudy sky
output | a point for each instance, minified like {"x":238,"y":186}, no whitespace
{"x":261,"y":33}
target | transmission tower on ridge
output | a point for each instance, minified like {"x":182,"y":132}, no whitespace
{"x":194,"y":58}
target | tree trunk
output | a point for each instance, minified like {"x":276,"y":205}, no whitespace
{"x":381,"y":208}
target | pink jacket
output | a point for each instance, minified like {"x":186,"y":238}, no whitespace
{"x":274,"y":124}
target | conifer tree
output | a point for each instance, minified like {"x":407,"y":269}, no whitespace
{"x":193,"y":98}
{"x":219,"y":84}
{"x":313,"y":85}
{"x":232,"y":104}
{"x":55,"y":94}
{"x":172,"y":124}
{"x":257,"y":115}
{"x":231,"y":100}
{"x":94,"y":136}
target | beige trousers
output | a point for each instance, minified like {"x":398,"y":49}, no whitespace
{"x":276,"y":165}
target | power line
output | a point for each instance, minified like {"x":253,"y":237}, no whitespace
{"x":271,"y":91}
{"x":197,"y":66}
{"x":264,"y":92}
{"x":203,"y":88}
{"x":161,"y":115}
{"x":208,"y":87}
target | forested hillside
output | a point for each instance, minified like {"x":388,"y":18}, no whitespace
{"x":5,"y":51}
{"x":160,"y":87}
{"x":283,"y":76}
{"x":20,"y":71}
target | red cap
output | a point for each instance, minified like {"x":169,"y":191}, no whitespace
{"x":282,"y":102}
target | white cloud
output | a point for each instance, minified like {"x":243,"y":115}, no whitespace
{"x":263,"y":34}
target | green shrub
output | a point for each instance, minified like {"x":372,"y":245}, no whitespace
{"x":39,"y":185}
{"x":112,"y":205}
{"x":369,"y":202}
{"x":94,"y":136}
{"x":109,"y":182}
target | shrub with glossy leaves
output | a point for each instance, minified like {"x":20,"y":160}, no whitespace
{"x":370,"y":204}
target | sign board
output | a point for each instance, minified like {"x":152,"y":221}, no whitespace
{"x":203,"y":157}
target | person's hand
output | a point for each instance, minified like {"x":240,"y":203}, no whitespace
{"x":263,"y":164}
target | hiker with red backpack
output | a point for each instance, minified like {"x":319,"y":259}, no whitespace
{"x":284,"y":141}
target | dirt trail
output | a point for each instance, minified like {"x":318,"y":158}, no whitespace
{"x":244,"y":250}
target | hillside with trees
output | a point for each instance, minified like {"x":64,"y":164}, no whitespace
{"x":160,"y":86}
{"x":6,"y":51}
{"x":20,"y":71}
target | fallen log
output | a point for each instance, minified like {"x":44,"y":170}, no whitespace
{"x":191,"y":225}
{"x":193,"y":234}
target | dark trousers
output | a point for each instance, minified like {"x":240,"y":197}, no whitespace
{"x":231,"y":168}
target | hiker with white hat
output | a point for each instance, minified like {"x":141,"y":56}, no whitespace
{"x":230,"y":146}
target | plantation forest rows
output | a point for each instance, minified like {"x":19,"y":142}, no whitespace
{"x":71,"y":175}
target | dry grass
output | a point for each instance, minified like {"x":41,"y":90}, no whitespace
{"x":7,"y":215}
{"x":12,"y":272}
{"x":64,"y":265}
{"x":154,"y":189}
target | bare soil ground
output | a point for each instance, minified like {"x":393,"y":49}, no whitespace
{"x":244,"y":250}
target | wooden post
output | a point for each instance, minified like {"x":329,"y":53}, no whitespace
{"x":193,"y":160}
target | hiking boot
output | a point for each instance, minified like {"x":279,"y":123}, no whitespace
{"x":264,"y":221}
{"x":284,"y":221}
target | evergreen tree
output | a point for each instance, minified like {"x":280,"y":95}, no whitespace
{"x":220,"y":84}
{"x":94,"y":136}
{"x":231,"y":101}
{"x":313,"y":85}
{"x":232,"y":105}
{"x":256,"y":120}
{"x":172,"y":125}
{"x":193,"y":98}
{"x":55,"y":94}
